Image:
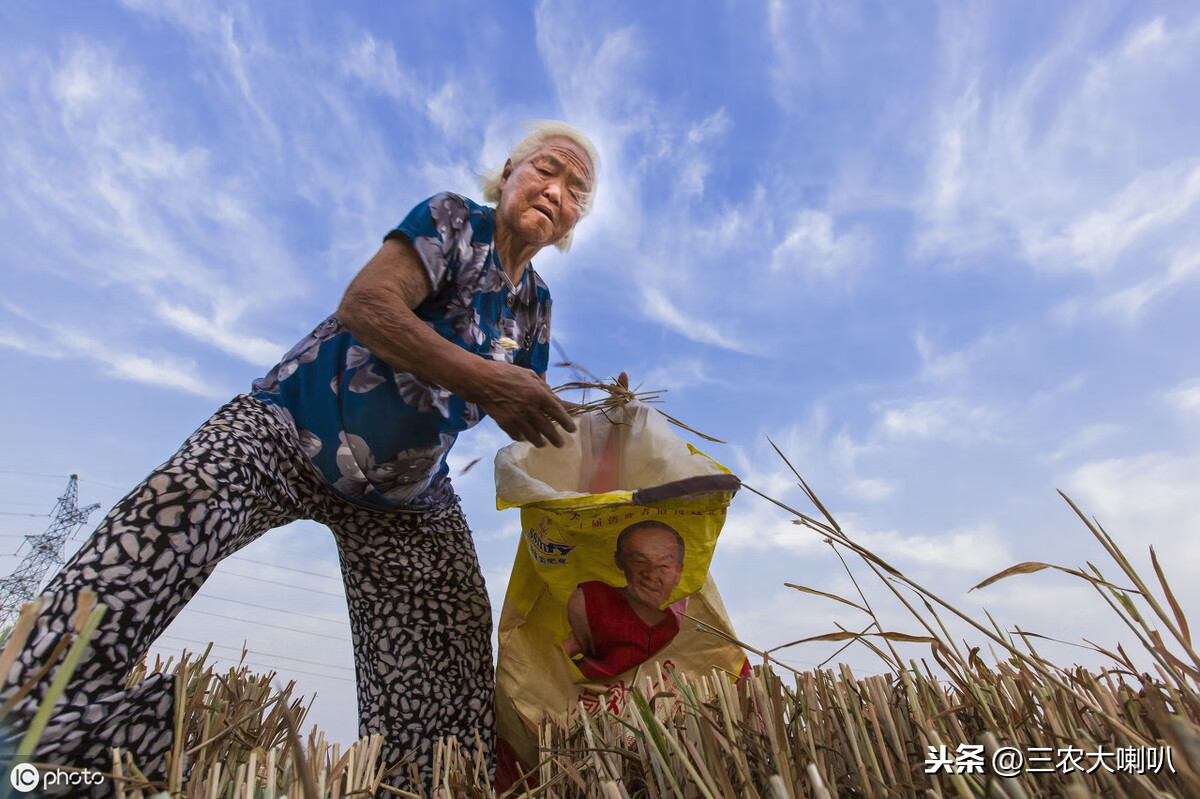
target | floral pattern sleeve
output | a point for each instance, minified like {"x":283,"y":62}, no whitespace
{"x":440,"y":231}
{"x":380,"y":435}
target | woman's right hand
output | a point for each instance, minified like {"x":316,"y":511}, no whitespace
{"x":520,"y":402}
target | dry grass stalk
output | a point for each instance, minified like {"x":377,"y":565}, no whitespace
{"x":828,"y":733}
{"x":819,"y":733}
{"x":236,"y":731}
{"x":615,"y":393}
{"x":240,"y":739}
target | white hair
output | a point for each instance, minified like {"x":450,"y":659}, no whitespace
{"x":539,"y":132}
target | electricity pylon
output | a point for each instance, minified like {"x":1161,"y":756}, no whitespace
{"x":45,"y":550}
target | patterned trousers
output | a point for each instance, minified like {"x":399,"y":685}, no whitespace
{"x":420,"y":616}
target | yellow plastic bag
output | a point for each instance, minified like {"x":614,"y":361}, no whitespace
{"x":610,"y":582}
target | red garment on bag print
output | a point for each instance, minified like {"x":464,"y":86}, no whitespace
{"x":620,"y":639}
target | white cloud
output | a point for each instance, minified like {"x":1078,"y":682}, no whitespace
{"x":714,"y":126}
{"x":99,"y":165}
{"x":98,"y":161}
{"x":1076,"y":158}
{"x":1147,"y":38}
{"x":676,"y":376}
{"x":939,"y":366}
{"x":194,"y":17}
{"x":870,"y":489}
{"x":979,"y":549}
{"x":1128,"y":303}
{"x":961,"y":365}
{"x":497,"y":586}
{"x":812,"y":247}
{"x":374,"y":63}
{"x":804,"y":39}
{"x":1087,"y":439}
{"x":1184,"y":398}
{"x":215,"y":331}
{"x":477,"y":446}
{"x":694,"y":160}
{"x":29,"y":345}
{"x":661,"y":308}
{"x":757,"y":525}
{"x":1156,"y":486}
{"x":1145,"y":497}
{"x":947,"y":178}
{"x":719,"y":272}
{"x":160,"y":370}
{"x":59,"y":341}
{"x":829,"y":466}
{"x":942,"y":418}
{"x":844,"y":453}
{"x":1150,"y":202}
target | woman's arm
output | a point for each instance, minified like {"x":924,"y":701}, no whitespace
{"x":377,"y":309}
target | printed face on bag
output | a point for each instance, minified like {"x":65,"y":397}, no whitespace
{"x":651,"y":558}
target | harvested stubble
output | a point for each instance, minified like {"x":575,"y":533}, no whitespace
{"x":825,"y":733}
{"x":239,"y":730}
{"x":235,"y":732}
{"x":819,"y":733}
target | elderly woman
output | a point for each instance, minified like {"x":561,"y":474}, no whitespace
{"x":447,"y":323}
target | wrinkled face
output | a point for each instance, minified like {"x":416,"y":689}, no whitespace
{"x":651,"y":564}
{"x":542,"y":197}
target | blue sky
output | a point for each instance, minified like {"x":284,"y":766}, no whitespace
{"x":945,"y":255}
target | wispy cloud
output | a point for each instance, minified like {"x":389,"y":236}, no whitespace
{"x":252,"y":349}
{"x":1151,"y":202}
{"x":116,"y":356}
{"x":977,"y":549}
{"x":1153,"y":492}
{"x":374,"y":63}
{"x":1069,"y":158}
{"x":811,"y":246}
{"x":694,"y":266}
{"x":1184,"y":398}
{"x":679,"y":375}
{"x":1085,"y":441}
{"x":937,"y":418}
{"x":145,"y":206}
{"x":30,"y":345}
{"x":1130,"y":302}
{"x":197,"y":237}
{"x":662,"y":309}
{"x":159,"y":370}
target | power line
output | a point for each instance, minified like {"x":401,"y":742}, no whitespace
{"x":13,"y":472}
{"x":256,"y":578}
{"x":32,"y":474}
{"x":276,"y":610}
{"x":109,"y":485}
{"x":285,"y":568}
{"x":289,"y":670}
{"x":275,"y":655}
{"x":265,"y":624}
{"x":124,"y":489}
{"x":297,"y":671}
{"x":44,"y":550}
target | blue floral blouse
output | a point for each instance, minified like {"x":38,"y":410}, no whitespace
{"x":379,"y":435}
